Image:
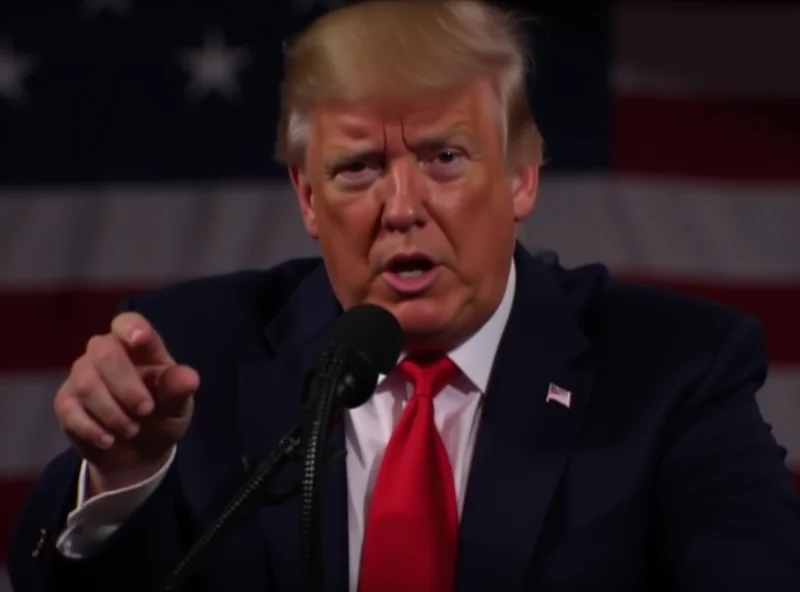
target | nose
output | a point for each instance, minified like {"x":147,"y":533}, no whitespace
{"x":404,"y":197}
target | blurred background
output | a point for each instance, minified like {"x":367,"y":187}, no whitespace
{"x":136,"y":149}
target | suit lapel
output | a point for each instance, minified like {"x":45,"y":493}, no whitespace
{"x":271,"y":380}
{"x":523,"y":441}
{"x":522,"y":448}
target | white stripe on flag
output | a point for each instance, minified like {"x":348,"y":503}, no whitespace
{"x":149,"y":234}
{"x":742,"y":234}
{"x":29,"y":432}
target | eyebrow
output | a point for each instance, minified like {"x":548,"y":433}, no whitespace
{"x":343,"y":157}
{"x":459,"y":132}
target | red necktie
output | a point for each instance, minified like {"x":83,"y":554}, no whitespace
{"x":412,"y":529}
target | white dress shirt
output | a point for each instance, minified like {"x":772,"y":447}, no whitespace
{"x":368,"y":428}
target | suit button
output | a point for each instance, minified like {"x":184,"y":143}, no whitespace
{"x":37,"y":549}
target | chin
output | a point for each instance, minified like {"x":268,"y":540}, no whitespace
{"x":422,"y":319}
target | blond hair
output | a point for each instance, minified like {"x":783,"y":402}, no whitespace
{"x":403,"y":49}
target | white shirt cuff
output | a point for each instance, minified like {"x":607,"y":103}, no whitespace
{"x":92,"y":522}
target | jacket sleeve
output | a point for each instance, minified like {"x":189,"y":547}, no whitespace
{"x":93,"y":521}
{"x":728,"y":511}
{"x":138,"y":556}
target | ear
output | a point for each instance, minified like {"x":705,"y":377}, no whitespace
{"x":524,"y":189}
{"x":305,"y":197}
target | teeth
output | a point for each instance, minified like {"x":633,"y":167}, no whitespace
{"x":410,"y":274}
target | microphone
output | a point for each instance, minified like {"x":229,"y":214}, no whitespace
{"x":363,"y":342}
{"x":366,"y":340}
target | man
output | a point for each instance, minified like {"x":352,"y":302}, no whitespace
{"x":583,"y":434}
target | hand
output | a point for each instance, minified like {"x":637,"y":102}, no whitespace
{"x":125,"y":404}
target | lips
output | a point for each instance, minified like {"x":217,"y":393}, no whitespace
{"x":410,"y":274}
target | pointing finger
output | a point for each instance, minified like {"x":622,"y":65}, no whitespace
{"x":143,"y":342}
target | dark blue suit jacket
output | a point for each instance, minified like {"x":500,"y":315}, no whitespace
{"x":661,"y":475}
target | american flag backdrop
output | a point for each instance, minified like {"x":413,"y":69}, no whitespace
{"x":136,"y":141}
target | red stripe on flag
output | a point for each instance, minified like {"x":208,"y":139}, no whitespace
{"x":776,"y":306}
{"x":734,"y":140}
{"x":13,"y":492}
{"x":47,"y":330}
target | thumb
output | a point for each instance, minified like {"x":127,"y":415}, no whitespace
{"x":172,"y":388}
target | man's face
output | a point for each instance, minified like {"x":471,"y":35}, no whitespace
{"x":414,"y":208}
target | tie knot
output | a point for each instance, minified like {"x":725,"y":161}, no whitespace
{"x":428,"y":376}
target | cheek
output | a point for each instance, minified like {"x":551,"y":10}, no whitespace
{"x":346,"y":237}
{"x":335,"y":209}
{"x":474,"y":216}
{"x":346,"y":222}
{"x":466,"y":206}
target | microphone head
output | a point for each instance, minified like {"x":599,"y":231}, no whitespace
{"x":371,"y":338}
{"x":372,"y":331}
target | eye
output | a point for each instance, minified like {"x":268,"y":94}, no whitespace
{"x":359,"y":172}
{"x":447,"y":156}
{"x":446,"y":164}
{"x":352,"y":168}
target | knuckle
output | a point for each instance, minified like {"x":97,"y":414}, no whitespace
{"x":102,"y":349}
{"x":61,"y":404}
{"x":117,"y":423}
{"x":77,"y":366}
{"x":131,"y":397}
{"x":109,"y":417}
{"x":105,"y":409}
{"x":82,"y":382}
{"x":70,"y":419}
{"x":95,"y":342}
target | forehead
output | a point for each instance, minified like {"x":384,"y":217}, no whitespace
{"x":471,"y":109}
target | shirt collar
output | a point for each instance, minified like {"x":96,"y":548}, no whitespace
{"x":475,"y":356}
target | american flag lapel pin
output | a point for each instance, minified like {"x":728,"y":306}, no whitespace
{"x":558,"y":395}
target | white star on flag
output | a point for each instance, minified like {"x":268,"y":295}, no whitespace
{"x":214,"y":67}
{"x":558,"y":395}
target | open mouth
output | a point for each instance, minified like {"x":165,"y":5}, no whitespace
{"x":410,"y":267}
{"x":411,"y":274}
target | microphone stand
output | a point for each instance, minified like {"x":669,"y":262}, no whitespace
{"x":338,"y":374}
{"x":332,"y":387}
{"x":312,"y":435}
{"x":253,"y":495}
{"x":316,"y":433}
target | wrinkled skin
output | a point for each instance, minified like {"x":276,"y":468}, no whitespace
{"x":431,"y":177}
